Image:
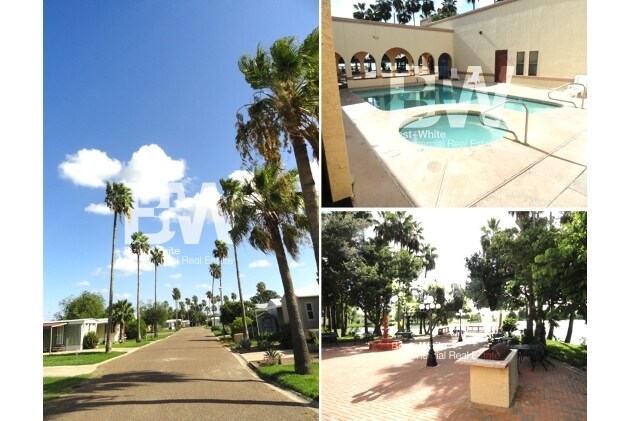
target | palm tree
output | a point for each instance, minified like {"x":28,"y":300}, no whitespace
{"x":187,"y":301}
{"x":449,"y":7}
{"x":157,"y":258}
{"x":119,"y":200}
{"x":176,"y":295}
{"x":139,"y":245}
{"x":427,"y":8}
{"x":215,"y":273}
{"x":473,"y":2}
{"x":430,"y":256}
{"x":229,"y":202}
{"x":122,"y":313}
{"x":220,"y":252}
{"x":413,"y":7}
{"x":286,"y":106}
{"x":491,"y":228}
{"x":383,"y":10}
{"x":360,"y":11}
{"x":272,"y":217}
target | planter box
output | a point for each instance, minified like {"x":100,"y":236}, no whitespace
{"x":492,"y":382}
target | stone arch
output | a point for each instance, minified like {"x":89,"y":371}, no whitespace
{"x":363,"y":66}
{"x":426,"y":64}
{"x":401,"y":62}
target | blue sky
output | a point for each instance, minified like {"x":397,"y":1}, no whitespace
{"x":146,"y":92}
{"x":344,"y":8}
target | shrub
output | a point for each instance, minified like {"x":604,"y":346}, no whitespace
{"x":509,"y":325}
{"x":132,"y":328}
{"x":285,"y":337}
{"x":245,"y":344}
{"x":475,"y":318}
{"x":272,"y":357}
{"x":90,"y":340}
{"x":237,"y":325}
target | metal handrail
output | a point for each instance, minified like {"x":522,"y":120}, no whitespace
{"x":482,"y":115}
{"x":567,"y":100}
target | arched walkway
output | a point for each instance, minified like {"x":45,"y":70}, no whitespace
{"x":397,"y":62}
{"x":426,"y":64}
{"x":363,"y":66}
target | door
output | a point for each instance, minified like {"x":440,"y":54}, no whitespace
{"x":501,"y":60}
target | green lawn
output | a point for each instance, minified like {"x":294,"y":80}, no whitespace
{"x":285,"y":375}
{"x":81,"y":358}
{"x":574,"y":355}
{"x":55,"y":387}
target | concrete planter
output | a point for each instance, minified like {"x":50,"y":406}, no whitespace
{"x":492,"y":382}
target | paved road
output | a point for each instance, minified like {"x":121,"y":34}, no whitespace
{"x":188,"y":376}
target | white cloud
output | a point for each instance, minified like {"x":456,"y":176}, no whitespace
{"x":89,"y":167}
{"x":241,"y":175}
{"x":97,"y":272}
{"x":175,"y":276}
{"x":294,"y":264}
{"x":83,"y":283}
{"x":262,"y":263}
{"x":127,"y":262}
{"x":98,"y":208}
{"x":150,"y":171}
{"x":203,"y":286}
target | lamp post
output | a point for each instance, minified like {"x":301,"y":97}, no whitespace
{"x":430,"y":307}
{"x":460,"y":314}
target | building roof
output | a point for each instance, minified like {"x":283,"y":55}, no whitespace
{"x":48,"y":325}
{"x":310,"y":291}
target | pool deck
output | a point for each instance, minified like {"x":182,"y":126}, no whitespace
{"x":389,"y":171}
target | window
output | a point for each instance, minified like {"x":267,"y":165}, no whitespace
{"x":59,"y":340}
{"x":310,"y":315}
{"x":533,"y":58}
{"x":521,"y":55}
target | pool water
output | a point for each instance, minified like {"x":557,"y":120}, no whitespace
{"x":452,"y":131}
{"x":398,"y":98}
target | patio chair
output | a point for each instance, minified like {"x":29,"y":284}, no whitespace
{"x":578,"y":90}
{"x":475,"y":78}
{"x":454,"y":74}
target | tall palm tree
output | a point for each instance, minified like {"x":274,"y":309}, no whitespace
{"x":285,"y":113}
{"x":383,"y":10}
{"x":122,"y":313}
{"x":488,"y":231}
{"x":229,"y":202}
{"x":215,"y":273}
{"x":220,"y":252}
{"x":119,"y":200}
{"x":360,"y":11}
{"x":176,"y":295}
{"x":157,"y":258}
{"x":272,"y":217}
{"x":449,"y":7}
{"x":187,"y":301}
{"x":139,"y":245}
{"x":473,"y":2}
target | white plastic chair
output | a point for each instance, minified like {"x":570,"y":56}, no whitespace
{"x":454,"y":74}
{"x":475,"y":78}
{"x":576,"y":90}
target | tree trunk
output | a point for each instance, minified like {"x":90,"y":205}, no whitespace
{"x":343,"y":316}
{"x":365,"y":324}
{"x":138,"y":335}
{"x":108,"y":345}
{"x":155,"y":300}
{"x":310,"y":195}
{"x":551,"y":330}
{"x":212,"y":302}
{"x":236,"y":262}
{"x":302,"y":358}
{"x":570,"y":327}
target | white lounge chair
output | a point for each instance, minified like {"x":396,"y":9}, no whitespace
{"x":578,"y":90}
{"x":475,"y":78}
{"x":454,"y":74}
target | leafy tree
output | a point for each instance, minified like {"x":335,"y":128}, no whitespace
{"x":139,"y":245}
{"x":232,"y":309}
{"x":360,"y":11}
{"x":123,"y":313}
{"x":157,"y":258}
{"x":427,"y":8}
{"x":284,"y":113}
{"x":88,"y":305}
{"x":119,"y":200}
{"x":272,"y":217}
{"x":155,"y":315}
{"x":263,"y":295}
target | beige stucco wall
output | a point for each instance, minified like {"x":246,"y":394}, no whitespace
{"x":557,"y":29}
{"x":494,"y":386}
{"x":332,"y":128}
{"x":352,"y":36}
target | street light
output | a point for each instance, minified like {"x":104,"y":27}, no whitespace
{"x":460,"y":314}
{"x":430,"y":307}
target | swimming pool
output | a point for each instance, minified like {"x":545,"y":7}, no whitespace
{"x":452,"y":130}
{"x":399,"y":98}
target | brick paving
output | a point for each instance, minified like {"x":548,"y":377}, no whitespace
{"x":358,"y":384}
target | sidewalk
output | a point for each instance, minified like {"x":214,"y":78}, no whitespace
{"x":365,"y":385}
